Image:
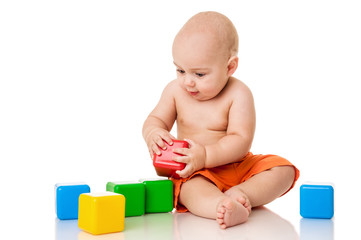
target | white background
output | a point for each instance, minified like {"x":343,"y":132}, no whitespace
{"x":78,"y":79}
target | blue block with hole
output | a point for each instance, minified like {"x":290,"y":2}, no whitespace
{"x":316,"y":201}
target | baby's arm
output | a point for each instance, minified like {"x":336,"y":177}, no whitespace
{"x":160,"y":121}
{"x":240,"y":132}
{"x":230,"y":148}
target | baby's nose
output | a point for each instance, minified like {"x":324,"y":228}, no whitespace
{"x":189,"y":81}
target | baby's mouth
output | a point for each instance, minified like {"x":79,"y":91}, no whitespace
{"x":193,"y":93}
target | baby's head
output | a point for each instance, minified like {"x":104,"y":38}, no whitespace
{"x":205,"y":54}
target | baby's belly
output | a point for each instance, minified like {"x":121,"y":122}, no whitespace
{"x":202,"y":136}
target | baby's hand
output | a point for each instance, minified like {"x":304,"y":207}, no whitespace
{"x":156,"y":139}
{"x":194,"y":157}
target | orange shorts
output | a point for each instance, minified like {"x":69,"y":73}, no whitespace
{"x":229,"y":175}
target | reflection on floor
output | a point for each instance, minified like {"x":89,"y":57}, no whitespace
{"x":262,"y":224}
{"x":320,"y":229}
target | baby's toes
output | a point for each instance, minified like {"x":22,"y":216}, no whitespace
{"x":221,"y":210}
{"x":220,"y":221}
{"x":242,"y":201}
{"x":249,"y":209}
{"x":245,"y":203}
{"x":220,"y":215}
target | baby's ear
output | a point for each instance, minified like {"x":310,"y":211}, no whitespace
{"x":232,"y":65}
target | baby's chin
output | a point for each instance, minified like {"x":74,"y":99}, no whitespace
{"x":201,"y":97}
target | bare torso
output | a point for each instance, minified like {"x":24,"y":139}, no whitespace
{"x":203,"y":121}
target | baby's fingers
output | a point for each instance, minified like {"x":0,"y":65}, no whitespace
{"x":181,"y":151}
{"x":151,"y":153}
{"x":186,"y":172}
{"x":181,"y":159}
{"x":168,"y":139}
{"x":154,"y":149}
{"x":160,"y":143}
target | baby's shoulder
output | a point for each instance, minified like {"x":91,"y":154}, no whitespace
{"x":237,"y":88}
{"x":171,"y":88}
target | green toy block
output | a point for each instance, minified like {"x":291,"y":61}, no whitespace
{"x":134,"y":194}
{"x":158,"y":195}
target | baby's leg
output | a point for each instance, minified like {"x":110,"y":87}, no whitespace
{"x":264,"y":187}
{"x":204,"y":199}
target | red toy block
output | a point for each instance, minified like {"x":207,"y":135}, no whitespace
{"x":164,"y":165}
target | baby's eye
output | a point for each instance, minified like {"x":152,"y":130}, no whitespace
{"x":200,"y":74}
{"x":180,"y":71}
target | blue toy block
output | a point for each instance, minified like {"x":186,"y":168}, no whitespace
{"x":316,"y":201}
{"x":67,"y":199}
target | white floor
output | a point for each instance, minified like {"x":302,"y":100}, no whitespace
{"x":263,"y":224}
{"x":278,"y":220}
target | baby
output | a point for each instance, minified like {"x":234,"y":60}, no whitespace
{"x":215,"y":114}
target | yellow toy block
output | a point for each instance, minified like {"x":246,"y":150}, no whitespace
{"x":101,"y":213}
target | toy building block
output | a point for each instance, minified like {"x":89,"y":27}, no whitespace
{"x":67,"y":199}
{"x":158,"y":196}
{"x":134,"y":194}
{"x":316,"y":201}
{"x":101,"y":213}
{"x":164,"y":165}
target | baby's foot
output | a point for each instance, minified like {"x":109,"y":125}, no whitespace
{"x":245,"y":203}
{"x":231,"y":213}
{"x":238,"y":195}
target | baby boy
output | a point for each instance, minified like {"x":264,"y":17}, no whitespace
{"x":215,"y":114}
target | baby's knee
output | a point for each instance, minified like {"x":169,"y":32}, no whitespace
{"x":286,"y":174}
{"x":192,"y":185}
{"x":198,"y":179}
